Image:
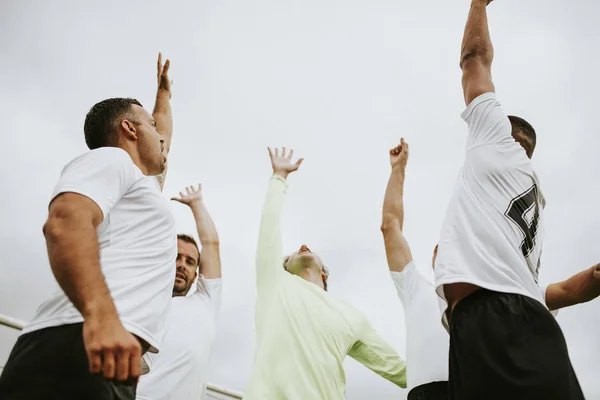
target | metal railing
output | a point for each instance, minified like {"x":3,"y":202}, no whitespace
{"x":213,"y":391}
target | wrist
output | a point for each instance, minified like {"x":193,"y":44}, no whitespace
{"x":281,"y":173}
{"x":100,"y":310}
{"x":399,"y":169}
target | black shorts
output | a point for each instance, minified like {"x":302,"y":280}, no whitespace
{"x":508,"y":346}
{"x":52,"y":364}
{"x":429,"y":391}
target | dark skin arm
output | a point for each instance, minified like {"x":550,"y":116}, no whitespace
{"x":74,"y":255}
{"x":580,"y":288}
{"x":477,"y":53}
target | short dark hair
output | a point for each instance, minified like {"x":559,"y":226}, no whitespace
{"x":100,"y":122}
{"x":523,"y":129}
{"x":189,"y":239}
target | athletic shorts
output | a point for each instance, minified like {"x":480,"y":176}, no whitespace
{"x":52,"y":363}
{"x":508,"y":346}
{"x":429,"y":391}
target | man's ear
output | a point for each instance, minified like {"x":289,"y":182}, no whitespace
{"x":128,"y":130}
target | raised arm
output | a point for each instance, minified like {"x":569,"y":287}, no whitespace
{"x":396,"y":247}
{"x":269,"y":254}
{"x":162,"y":110}
{"x":477,"y":53}
{"x":580,"y":288}
{"x":376,"y":354}
{"x":74,"y":255}
{"x":210,"y":258}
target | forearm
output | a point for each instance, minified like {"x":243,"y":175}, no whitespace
{"x":269,"y":241}
{"x":393,"y":203}
{"x":163,"y":116}
{"x":210,"y":257}
{"x":476,"y":40}
{"x":75,"y":261}
{"x":207,"y":231}
{"x":578,"y":289}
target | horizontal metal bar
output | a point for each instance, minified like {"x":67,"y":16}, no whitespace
{"x":14,"y":323}
{"x":11,"y":322}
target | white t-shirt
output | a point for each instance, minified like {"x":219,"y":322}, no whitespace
{"x":493,"y":231}
{"x":137,"y":239}
{"x":180,"y":371}
{"x":427,"y":342}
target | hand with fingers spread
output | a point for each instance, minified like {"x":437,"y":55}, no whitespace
{"x":112,"y":351}
{"x":282,"y":162}
{"x":190,"y":196}
{"x":163,"y":75}
{"x":399,"y":155}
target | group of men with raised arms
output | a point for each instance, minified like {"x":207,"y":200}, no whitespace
{"x":485,"y":330}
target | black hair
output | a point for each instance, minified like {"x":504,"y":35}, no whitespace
{"x":102,"y":119}
{"x":522,"y":129}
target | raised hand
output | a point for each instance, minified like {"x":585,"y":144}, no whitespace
{"x":399,"y":155}
{"x":190,"y":196}
{"x":282,"y":164}
{"x":162,"y":75}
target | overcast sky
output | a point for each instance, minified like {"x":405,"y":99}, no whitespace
{"x":341,"y":82}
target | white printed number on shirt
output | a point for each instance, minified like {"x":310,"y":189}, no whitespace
{"x":524,"y":212}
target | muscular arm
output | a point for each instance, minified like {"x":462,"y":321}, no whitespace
{"x":210,"y":258}
{"x":162,"y":112}
{"x":70,"y":233}
{"x":477,"y":53}
{"x":579,"y":288}
{"x":396,"y":247}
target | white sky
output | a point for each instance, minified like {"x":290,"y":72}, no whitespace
{"x":340,"y":81}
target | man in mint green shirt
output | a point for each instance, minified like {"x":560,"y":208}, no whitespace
{"x":303,"y":333}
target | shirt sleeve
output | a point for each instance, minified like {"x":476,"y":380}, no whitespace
{"x":376,"y":354}
{"x":212,"y":289}
{"x":487,"y":121}
{"x":269,"y":254}
{"x":104,"y":175}
{"x":543,"y":289}
{"x":404,"y":282}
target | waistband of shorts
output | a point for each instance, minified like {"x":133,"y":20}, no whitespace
{"x":433,"y":390}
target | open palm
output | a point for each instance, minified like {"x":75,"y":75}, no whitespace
{"x":190,"y":195}
{"x":282,"y":162}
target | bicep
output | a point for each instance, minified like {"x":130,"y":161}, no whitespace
{"x":397,"y":249}
{"x":476,"y":79}
{"x":210,"y":260}
{"x":73,"y":209}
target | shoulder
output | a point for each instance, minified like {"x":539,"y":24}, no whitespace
{"x":104,"y":157}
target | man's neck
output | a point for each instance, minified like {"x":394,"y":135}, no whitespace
{"x":310,"y":275}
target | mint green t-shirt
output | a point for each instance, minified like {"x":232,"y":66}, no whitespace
{"x":304,"y":333}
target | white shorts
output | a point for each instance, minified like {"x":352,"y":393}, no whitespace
{"x":427,"y":342}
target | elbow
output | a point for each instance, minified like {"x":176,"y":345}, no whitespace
{"x":52,"y":229}
{"x":389,"y":222}
{"x":477,"y":54}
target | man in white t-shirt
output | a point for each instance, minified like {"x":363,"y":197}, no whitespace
{"x":111,"y":243}
{"x":180,"y":371}
{"x":303,"y":333}
{"x":426,"y":341}
{"x":489,"y":251}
